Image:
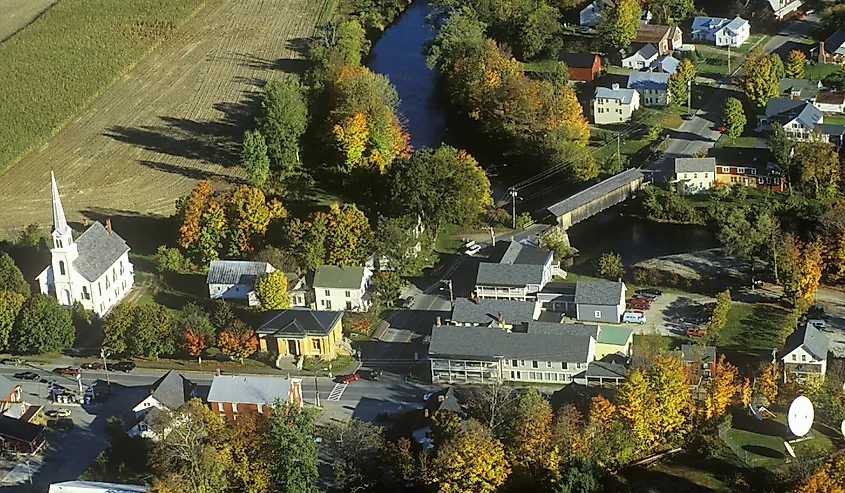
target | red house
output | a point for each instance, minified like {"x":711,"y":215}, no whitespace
{"x":16,"y":435}
{"x":761,"y":178}
{"x":701,"y":360}
{"x":231,"y":395}
{"x":582,"y":67}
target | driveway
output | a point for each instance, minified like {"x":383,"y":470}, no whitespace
{"x":793,"y":36}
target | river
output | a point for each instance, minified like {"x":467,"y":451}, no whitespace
{"x":399,"y":55}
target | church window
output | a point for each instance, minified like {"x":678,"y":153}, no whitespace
{"x":61,"y":267}
{"x":85,"y":294}
{"x":58,"y":243}
{"x":113,"y":274}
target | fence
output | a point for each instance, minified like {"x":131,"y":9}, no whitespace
{"x":750,"y":461}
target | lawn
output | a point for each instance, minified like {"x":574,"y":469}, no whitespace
{"x":63,"y":60}
{"x":755,"y":325}
{"x":818,"y":71}
{"x":838,"y":119}
{"x":748,"y":142}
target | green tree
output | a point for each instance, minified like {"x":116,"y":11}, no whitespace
{"x":336,"y":45}
{"x":759,"y":78}
{"x":719,"y":318}
{"x":540,"y":33}
{"x":777,"y":65}
{"x":460,"y":36}
{"x":733,"y":118}
{"x":796,"y":64}
{"x":355,"y":448}
{"x":618,"y":25}
{"x":272,"y":291}
{"x":280,"y":259}
{"x":387,"y":287}
{"x":11,"y":278}
{"x":223,"y":315}
{"x":442,"y":185}
{"x":833,"y":18}
{"x":404,"y":242}
{"x":738,"y":235}
{"x":10,"y":305}
{"x":254,"y":158}
{"x":194,"y":317}
{"x":30,"y":236}
{"x":781,"y":148}
{"x":610,"y":266}
{"x":152,"y":333}
{"x":680,"y":82}
{"x":582,"y":477}
{"x":117,"y":326}
{"x":281,"y":118}
{"x":42,"y":326}
{"x":818,"y":167}
{"x":168,"y":259}
{"x":670,"y":11}
{"x":291,"y":436}
{"x":559,"y":151}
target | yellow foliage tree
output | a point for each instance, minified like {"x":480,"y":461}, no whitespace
{"x":568,"y":433}
{"x":746,"y":392}
{"x":768,"y":383}
{"x":636,"y":403}
{"x":670,"y":384}
{"x":352,"y":136}
{"x":827,"y":478}
{"x":812,"y":265}
{"x":723,"y":387}
{"x":532,"y":447}
{"x":602,"y":411}
{"x":472,"y":462}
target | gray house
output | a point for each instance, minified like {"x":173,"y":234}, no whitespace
{"x":504,"y":314}
{"x":804,"y":353}
{"x":514,"y":272}
{"x":235,"y":279}
{"x":599,"y":301}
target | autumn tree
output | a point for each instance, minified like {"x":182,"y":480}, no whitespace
{"x":746,"y":392}
{"x":11,"y":278}
{"x":10,"y":305}
{"x":759,"y":79}
{"x":670,"y":385}
{"x":635,"y":403}
{"x":618,"y":25}
{"x":610,"y":266}
{"x":405,"y":242}
{"x":354,"y":448}
{"x":247,"y":454}
{"x":291,"y":438}
{"x":237,"y":340}
{"x":42,"y":326}
{"x":671,"y":12}
{"x":568,"y":432}
{"x":117,"y":326}
{"x":281,"y":118}
{"x":472,"y":461}
{"x":733,"y":118}
{"x":254,"y":158}
{"x":443,"y":185}
{"x":812,"y":265}
{"x":152,"y":332}
{"x":818,"y":167}
{"x":796,"y":63}
{"x":445,"y":425}
{"x":341,"y":236}
{"x":832,"y":223}
{"x":194,"y":317}
{"x":802,"y":265}
{"x":719,"y":317}
{"x":680,"y":82}
{"x":828,"y":477}
{"x":272,"y":291}
{"x":530,"y":447}
{"x":722,"y":388}
{"x":493,"y":405}
{"x":777,"y":65}
{"x":768,"y":382}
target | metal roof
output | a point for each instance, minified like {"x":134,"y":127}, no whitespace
{"x":835,"y":44}
{"x":95,"y":487}
{"x":494,"y":344}
{"x":599,"y":292}
{"x":487,"y":311}
{"x":98,"y":251}
{"x":516,"y":275}
{"x":332,"y":276}
{"x":297,"y":323}
{"x":249,"y":389}
{"x":559,"y":329}
{"x":648,"y":80}
{"x":236,"y":271}
{"x":651,"y":33}
{"x":626,"y":96}
{"x":810,"y":338}
{"x":695,"y":164}
{"x":614,"y":334}
{"x":584,"y":197}
{"x":668,"y":64}
{"x":605,"y":369}
{"x":514,"y":252}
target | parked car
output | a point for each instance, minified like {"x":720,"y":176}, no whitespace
{"x":640,"y":301}
{"x":817,"y":323}
{"x":61,"y":424}
{"x":427,"y":396}
{"x":13,"y":361}
{"x":473,"y":250}
{"x":408,"y":302}
{"x":816,"y":311}
{"x":350,"y":378}
{"x":94,"y":365}
{"x":638,"y":306}
{"x":633,"y":317}
{"x":26,"y":375}
{"x":124,"y":366}
{"x":58,"y":413}
{"x":649,"y":292}
{"x":696,"y":332}
{"x":374,"y":375}
{"x":67,"y":370}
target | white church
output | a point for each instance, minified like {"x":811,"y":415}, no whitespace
{"x":94,"y":269}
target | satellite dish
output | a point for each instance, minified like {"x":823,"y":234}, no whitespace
{"x":789,"y":449}
{"x":755,"y":412}
{"x":842,"y":428}
{"x":800,"y":417}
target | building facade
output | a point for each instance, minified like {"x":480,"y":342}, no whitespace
{"x":599,"y":301}
{"x":665,"y":38}
{"x":804,"y":353}
{"x":652,"y":86}
{"x":301,"y":333}
{"x":581,"y":67}
{"x":749,"y":176}
{"x":721,"y":31}
{"x":342,"y":288}
{"x":514,"y":272}
{"x":695,"y":174}
{"x":644,"y":57}
{"x":614,"y":105}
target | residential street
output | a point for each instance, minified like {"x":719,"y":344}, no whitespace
{"x":792,"y":34}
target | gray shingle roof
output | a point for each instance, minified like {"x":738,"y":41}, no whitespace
{"x":695,"y":164}
{"x":491,"y":344}
{"x":6,"y":386}
{"x":297,"y":323}
{"x":578,"y":60}
{"x":599,"y":292}
{"x":172,"y":390}
{"x":831,"y":129}
{"x":623,"y":95}
{"x":605,"y":369}
{"x":19,"y":429}
{"x":668,"y":64}
{"x":248,"y":389}
{"x":235,"y":272}
{"x":811,"y":338}
{"x":648,"y":80}
{"x":734,"y":25}
{"x":583,"y":197}
{"x":553,"y":328}
{"x":785,"y":110}
{"x":835,"y":44}
{"x":696,"y":353}
{"x":98,"y":250}
{"x":513,"y":252}
{"x":806,"y":89}
{"x":487,"y":311}
{"x":645,"y":53}
{"x":332,"y":276}
{"x":443,"y":400}
{"x":490,"y":274}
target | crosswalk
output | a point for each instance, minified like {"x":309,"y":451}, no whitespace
{"x":337,"y":391}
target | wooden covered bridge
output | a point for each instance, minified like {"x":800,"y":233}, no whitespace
{"x":597,"y":198}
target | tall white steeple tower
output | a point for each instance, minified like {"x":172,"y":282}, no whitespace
{"x":62,"y":236}
{"x":64,"y":250}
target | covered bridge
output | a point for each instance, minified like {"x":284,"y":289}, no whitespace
{"x":597,"y":198}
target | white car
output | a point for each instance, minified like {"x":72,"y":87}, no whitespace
{"x":473,"y":250}
{"x":817,"y":323}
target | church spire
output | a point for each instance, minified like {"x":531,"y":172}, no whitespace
{"x":59,"y":222}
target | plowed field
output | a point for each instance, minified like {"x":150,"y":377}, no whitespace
{"x":15,"y":14}
{"x":175,"y":118}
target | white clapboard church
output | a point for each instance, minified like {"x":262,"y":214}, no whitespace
{"x":94,"y":269}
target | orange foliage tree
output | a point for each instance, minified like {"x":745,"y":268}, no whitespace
{"x":769,"y":383}
{"x":827,"y":478}
{"x":193,"y":343}
{"x":723,"y":387}
{"x":237,"y":341}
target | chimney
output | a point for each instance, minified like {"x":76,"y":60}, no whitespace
{"x":108,"y":225}
{"x":217,"y":372}
{"x":437,"y":321}
{"x":615,"y":87}
{"x":85,"y":222}
{"x":822,"y":54}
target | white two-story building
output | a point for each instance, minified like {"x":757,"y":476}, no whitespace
{"x":614,"y":105}
{"x":721,"y":31}
{"x":804,"y":353}
{"x":695,"y":173}
{"x":514,"y":272}
{"x":342,"y":288}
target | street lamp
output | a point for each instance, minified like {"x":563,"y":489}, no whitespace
{"x":689,"y":97}
{"x":103,"y":355}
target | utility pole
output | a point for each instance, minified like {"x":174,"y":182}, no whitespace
{"x":513,"y":202}
{"x":451,"y":294}
{"x":106,"y":367}
{"x":619,"y":147}
{"x":689,"y":97}
{"x":492,"y":236}
{"x":729,"y":59}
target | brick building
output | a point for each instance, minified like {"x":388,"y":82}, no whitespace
{"x":231,"y":395}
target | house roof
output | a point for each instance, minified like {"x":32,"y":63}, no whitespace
{"x":708,"y":24}
{"x":835,"y":44}
{"x":646,"y":53}
{"x":514,"y":252}
{"x":584,"y":197}
{"x":599,"y":292}
{"x":605,"y":369}
{"x":491,"y":274}
{"x":785,"y":110}
{"x":6,"y":387}
{"x":98,"y":251}
{"x":487,"y":311}
{"x":559,"y":329}
{"x":95,"y":487}
{"x":784,"y":6}
{"x":831,"y":129}
{"x":668,"y":64}
{"x":830,"y":98}
{"x":648,"y":80}
{"x":236,"y":271}
{"x":578,"y":60}
{"x":297,"y":323}
{"x":443,"y":400}
{"x":625,"y":96}
{"x":695,"y":164}
{"x":808,"y":337}
{"x":19,"y":429}
{"x":651,"y":33}
{"x":493,"y":344}
{"x":696,"y":353}
{"x":736,"y":24}
{"x":806,"y":89}
{"x":614,"y":334}
{"x":172,"y":390}
{"x":332,"y":276}
{"x":249,"y":389}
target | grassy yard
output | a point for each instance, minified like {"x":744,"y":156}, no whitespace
{"x":838,"y":119}
{"x":818,"y":71}
{"x":748,"y":142}
{"x":604,"y":142}
{"x":50,"y":75}
{"x":753,"y":326}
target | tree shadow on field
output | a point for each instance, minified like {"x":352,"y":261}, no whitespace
{"x":287,"y":65}
{"x":143,"y":233}
{"x":209,"y":141}
{"x":299,"y":46}
{"x":192,"y":173}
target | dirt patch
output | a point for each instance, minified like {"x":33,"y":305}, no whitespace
{"x":18,"y":13}
{"x":177,"y":117}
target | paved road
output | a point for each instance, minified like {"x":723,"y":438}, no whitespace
{"x":792,"y":34}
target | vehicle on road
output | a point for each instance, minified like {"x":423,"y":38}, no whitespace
{"x":374,"y":375}
{"x":58,"y":413}
{"x":13,"y":361}
{"x":472,"y":250}
{"x":688,"y":116}
{"x":61,"y":424}
{"x":427,"y":395}
{"x":649,"y":292}
{"x":696,"y":332}
{"x":469,"y":243}
{"x":67,"y":370}
{"x":350,"y":378}
{"x":26,"y":375}
{"x":124,"y":366}
{"x":817,"y":323}
{"x":720,"y":128}
{"x":408,"y":302}
{"x":633,"y":317}
{"x":94,"y":365}
{"x":816,"y":311}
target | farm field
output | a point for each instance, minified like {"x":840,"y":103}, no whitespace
{"x":18,"y":13}
{"x":175,"y":118}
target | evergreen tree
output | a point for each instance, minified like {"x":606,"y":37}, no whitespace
{"x":254,"y":158}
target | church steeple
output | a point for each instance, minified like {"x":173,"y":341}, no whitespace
{"x":62,"y":235}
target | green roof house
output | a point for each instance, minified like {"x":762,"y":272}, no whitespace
{"x":342,"y":288}
{"x":614,"y":339}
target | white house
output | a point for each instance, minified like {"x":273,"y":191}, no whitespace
{"x":696,"y":174}
{"x":804,"y":353}
{"x":614,"y":105}
{"x":652,"y":86}
{"x":342,"y":288}
{"x":801,"y":120}
{"x":95,"y":487}
{"x":93,"y":269}
{"x":830,"y":102}
{"x":235,"y":279}
{"x":168,"y":393}
{"x":514,"y":272}
{"x":645,"y":57}
{"x":721,"y":31}
{"x":782,"y":8}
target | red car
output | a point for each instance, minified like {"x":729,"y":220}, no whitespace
{"x":696,"y":332}
{"x":639,"y":306}
{"x":351,"y":378}
{"x":720,"y":128}
{"x":68,"y":370}
{"x":643,"y":300}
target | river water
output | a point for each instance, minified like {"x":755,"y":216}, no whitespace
{"x":399,"y":55}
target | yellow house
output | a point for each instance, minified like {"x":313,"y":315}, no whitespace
{"x":301,"y":332}
{"x":614,"y":339}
